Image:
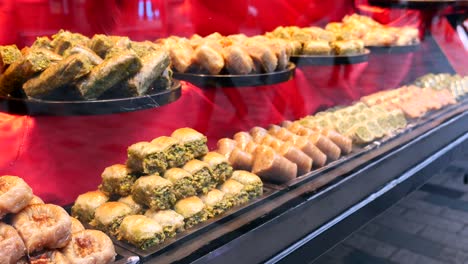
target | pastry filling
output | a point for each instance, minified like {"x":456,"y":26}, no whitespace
{"x":119,"y":186}
{"x":162,"y":198}
{"x":155,"y":162}
{"x":254,"y":190}
{"x":146,"y":243}
{"x":203,"y":180}
{"x":238,"y":199}
{"x":221,"y":172}
{"x":113,"y":227}
{"x":171,"y":230}
{"x":219,"y":208}
{"x":196,"y":219}
{"x":82,"y":214}
{"x":184,"y":188}
{"x":197,"y":148}
{"x":177,"y":156}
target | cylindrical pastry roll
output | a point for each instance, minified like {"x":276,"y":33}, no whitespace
{"x":219,"y":165}
{"x":258,"y":133}
{"x":76,"y":225}
{"x":271,"y":141}
{"x":242,"y":138}
{"x":343,"y":142}
{"x":281,"y":133}
{"x":136,"y":207}
{"x":225,"y":146}
{"x":237,"y":60}
{"x":90,"y":246}
{"x":303,"y":162}
{"x":117,"y":180}
{"x":325,"y":145}
{"x":170,"y":221}
{"x":273,"y":167}
{"x":203,"y":179}
{"x":192,"y":209}
{"x":251,"y":147}
{"x":263,"y":57}
{"x":234,"y":192}
{"x":43,"y":226}
{"x":318,"y":157}
{"x":253,"y":185}
{"x":109,"y":216}
{"x":154,"y":191}
{"x":210,"y":59}
{"x":241,"y":160}
{"x":86,"y":204}
{"x":15,"y":194}
{"x":194,"y":141}
{"x":183,"y":182}
{"x":11,"y":246}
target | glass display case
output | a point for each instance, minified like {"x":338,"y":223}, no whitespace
{"x":273,"y":129}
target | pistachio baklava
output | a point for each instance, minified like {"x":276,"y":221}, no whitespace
{"x":141,"y":231}
{"x":109,"y":216}
{"x":215,"y":202}
{"x":154,"y":191}
{"x":176,"y":153}
{"x":170,"y":221}
{"x":117,"y":180}
{"x":136,"y":207}
{"x":145,"y":157}
{"x":86,"y":204}
{"x":219,"y":165}
{"x":182,"y":181}
{"x":234,"y":192}
{"x":253,"y":185}
{"x":194,"y":141}
{"x":192,"y":209}
{"x":203,"y":179}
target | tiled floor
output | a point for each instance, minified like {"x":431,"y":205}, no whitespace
{"x":428,"y":227}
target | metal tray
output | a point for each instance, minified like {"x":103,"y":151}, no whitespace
{"x":307,"y":60}
{"x":230,"y":80}
{"x":393,"y":49}
{"x":92,"y":107}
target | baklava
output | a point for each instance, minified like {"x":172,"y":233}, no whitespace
{"x":154,"y":191}
{"x":15,"y":194}
{"x":147,"y":158}
{"x":253,"y":185}
{"x":117,"y":180}
{"x":234,"y":192}
{"x":136,"y":207}
{"x":141,"y":231}
{"x":109,"y":216}
{"x":36,"y":200}
{"x":216,"y":203}
{"x":192,"y":209}
{"x":170,"y":221}
{"x":76,"y":225}
{"x":176,"y":153}
{"x":203,"y":179}
{"x":86,"y":204}
{"x":194,"y":141}
{"x":11,"y":245}
{"x":219,"y":165}
{"x":183,"y":182}
{"x":49,"y":257}
{"x":90,"y":246}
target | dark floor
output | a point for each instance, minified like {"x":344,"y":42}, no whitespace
{"x":428,"y":227}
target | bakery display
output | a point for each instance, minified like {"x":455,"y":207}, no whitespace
{"x":34,"y":232}
{"x":86,"y":204}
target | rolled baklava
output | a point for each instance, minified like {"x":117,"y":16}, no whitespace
{"x":176,"y":153}
{"x":12,"y":246}
{"x":147,"y":158}
{"x":109,"y":216}
{"x":253,"y":185}
{"x":170,"y":221}
{"x":141,"y":231}
{"x":117,"y":180}
{"x":241,"y":160}
{"x":273,"y":167}
{"x":183,"y":182}
{"x":76,"y":225}
{"x":90,"y":246}
{"x":203,"y":179}
{"x":15,"y":194}
{"x":219,"y":165}
{"x":86,"y":204}
{"x":225,"y":146}
{"x":234,"y":192}
{"x":154,"y":191}
{"x":136,"y":207}
{"x":192,"y":209}
{"x":194,"y":141}
{"x":43,"y":226}
{"x":216,"y":203}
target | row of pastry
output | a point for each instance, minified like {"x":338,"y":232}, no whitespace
{"x":73,"y":66}
{"x":164,"y":189}
{"x":234,"y":54}
{"x":34,"y":232}
{"x":456,"y":84}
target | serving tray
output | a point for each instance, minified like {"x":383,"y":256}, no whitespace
{"x":305,"y":60}
{"x":231,"y":80}
{"x":393,"y":49}
{"x":37,"y":107}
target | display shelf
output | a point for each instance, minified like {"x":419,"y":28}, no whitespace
{"x":305,"y":60}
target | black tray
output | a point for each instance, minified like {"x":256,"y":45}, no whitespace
{"x":305,"y":60}
{"x":393,"y":49}
{"x":414,"y":4}
{"x":92,"y":107}
{"x":230,"y":80}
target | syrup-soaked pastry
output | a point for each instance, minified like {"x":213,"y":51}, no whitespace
{"x":237,"y":60}
{"x":325,"y":145}
{"x":15,"y":194}
{"x":117,"y":180}
{"x":11,"y":245}
{"x":100,"y":44}
{"x":90,"y":247}
{"x":43,"y":226}
{"x":210,"y":59}
{"x":36,"y":200}
{"x":170,"y":221}
{"x":154,"y":191}
{"x":317,"y":47}
{"x":49,"y":257}
{"x":192,"y":209}
{"x":183,"y":182}
{"x":64,"y":40}
{"x":216,"y":203}
{"x":258,"y":133}
{"x":251,"y":147}
{"x":203,"y":179}
{"x":234,"y":192}
{"x":241,"y":160}
{"x":76,"y":225}
{"x":109,"y":216}
{"x":93,"y":57}
{"x":273,"y":167}
{"x":289,"y":151}
{"x":8,"y":55}
{"x":141,"y":231}
{"x":263,"y":57}
{"x":175,"y":152}
{"x":136,"y":207}
{"x":242,"y":138}
{"x":194,"y":141}
{"x":253,"y":185}
{"x":147,"y":158}
{"x":219,"y":165}
{"x":225,"y":146}
{"x":182,"y":57}
{"x":86,"y":204}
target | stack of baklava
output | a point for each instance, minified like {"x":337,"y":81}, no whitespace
{"x":73,"y":66}
{"x":34,"y":232}
{"x":456,"y":84}
{"x":235,"y":54}
{"x":167,"y":185}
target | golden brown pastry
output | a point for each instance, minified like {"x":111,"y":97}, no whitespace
{"x":219,"y":165}
{"x":194,"y":141}
{"x":117,"y":180}
{"x":183,"y":182}
{"x":76,"y":225}
{"x":253,"y":185}
{"x":108,"y":217}
{"x":136,"y":207}
{"x":36,"y":200}
{"x":141,"y":231}
{"x":258,"y":133}
{"x":240,"y":159}
{"x":210,"y":59}
{"x":43,"y":226}
{"x":170,"y":221}
{"x":154,"y":191}
{"x":242,"y":138}
{"x":303,"y":162}
{"x":192,"y":209}
{"x":86,"y":204}
{"x":90,"y":247}
{"x":11,"y":245}
{"x":237,"y":60}
{"x":49,"y":257}
{"x":234,"y":192}
{"x":203,"y":179}
{"x":273,"y":167}
{"x":15,"y":194}
{"x":225,"y":146}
